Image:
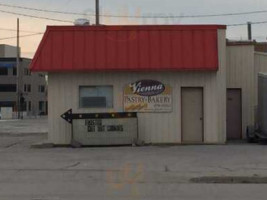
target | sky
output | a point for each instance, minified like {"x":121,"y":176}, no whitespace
{"x":130,"y":7}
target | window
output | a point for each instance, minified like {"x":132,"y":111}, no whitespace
{"x":27,"y":72}
{"x":41,"y":106}
{"x":96,"y":96}
{"x":41,"y":88}
{"x":14,"y":71}
{"x":29,"y":106}
{"x":3,"y":71}
{"x":7,"y":104}
{"x":27,"y":88}
{"x":8,"y":87}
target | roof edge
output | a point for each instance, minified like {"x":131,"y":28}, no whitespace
{"x":139,"y":27}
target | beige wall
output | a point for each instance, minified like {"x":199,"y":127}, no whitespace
{"x":153,"y":127}
{"x":240,"y":74}
{"x":260,"y":66}
{"x":7,"y":51}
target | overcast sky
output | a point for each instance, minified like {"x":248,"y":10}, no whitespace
{"x":133,"y":7}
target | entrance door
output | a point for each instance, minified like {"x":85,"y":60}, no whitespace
{"x":192,"y":115}
{"x":234,"y":114}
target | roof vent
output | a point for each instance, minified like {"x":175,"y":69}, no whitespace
{"x":81,"y":22}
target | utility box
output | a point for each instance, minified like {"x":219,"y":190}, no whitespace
{"x":103,"y":129}
{"x":6,"y":112}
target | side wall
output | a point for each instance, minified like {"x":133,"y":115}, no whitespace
{"x":260,"y":66}
{"x":153,"y":127}
{"x":240,"y":74}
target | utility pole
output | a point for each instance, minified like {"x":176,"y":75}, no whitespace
{"x":18,"y":72}
{"x":249,"y":31}
{"x":97,"y":21}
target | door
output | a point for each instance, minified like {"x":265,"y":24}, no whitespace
{"x":192,"y":115}
{"x":234,"y":114}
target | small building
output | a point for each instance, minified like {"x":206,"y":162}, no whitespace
{"x":97,"y":69}
{"x":240,"y":82}
{"x":33,"y":87}
{"x":243,"y":67}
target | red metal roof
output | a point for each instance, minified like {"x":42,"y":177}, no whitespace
{"x":99,"y":48}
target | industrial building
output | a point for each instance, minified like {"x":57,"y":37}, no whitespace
{"x":33,"y":87}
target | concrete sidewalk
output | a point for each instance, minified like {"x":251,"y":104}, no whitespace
{"x":24,"y":126}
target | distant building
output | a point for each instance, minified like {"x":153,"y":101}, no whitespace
{"x":33,"y":87}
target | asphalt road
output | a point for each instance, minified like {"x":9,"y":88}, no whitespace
{"x":126,"y":172}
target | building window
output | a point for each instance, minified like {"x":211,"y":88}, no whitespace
{"x":3,"y":71}
{"x":8,"y":87}
{"x":27,"y":88}
{"x":29,"y":106}
{"x":27,"y":72}
{"x":7,"y":104}
{"x":14,"y":71}
{"x":41,"y":108}
{"x":41,"y":88}
{"x":96,"y":96}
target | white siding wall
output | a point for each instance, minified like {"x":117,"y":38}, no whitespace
{"x":153,"y":127}
{"x":260,"y":66}
{"x":240,"y":74}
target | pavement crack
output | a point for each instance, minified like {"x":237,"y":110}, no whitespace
{"x":227,"y":169}
{"x":73,"y":165}
{"x":11,"y":145}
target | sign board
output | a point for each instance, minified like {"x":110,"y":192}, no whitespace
{"x":147,"y":96}
{"x":103,"y":128}
{"x":105,"y":131}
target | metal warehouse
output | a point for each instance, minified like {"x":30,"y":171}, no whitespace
{"x":171,"y":77}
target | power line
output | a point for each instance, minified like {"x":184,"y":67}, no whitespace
{"x":41,"y":10}
{"x":185,"y":16}
{"x":244,"y":24}
{"x":138,"y":16}
{"x":14,"y":30}
{"x":36,"y":17}
{"x":22,"y":36}
{"x":188,"y":16}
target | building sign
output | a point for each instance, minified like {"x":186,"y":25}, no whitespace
{"x":102,"y":128}
{"x":97,"y":126}
{"x":147,"y":96}
{"x":105,"y":131}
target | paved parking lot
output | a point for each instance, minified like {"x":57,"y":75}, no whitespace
{"x":154,"y":172}
{"x":25,"y":126}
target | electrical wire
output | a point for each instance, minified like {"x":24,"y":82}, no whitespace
{"x":40,"y":10}
{"x":15,"y":30}
{"x":66,"y":21}
{"x":36,"y":17}
{"x":243,"y":24}
{"x":137,"y":16}
{"x":73,"y":13}
{"x":22,"y":36}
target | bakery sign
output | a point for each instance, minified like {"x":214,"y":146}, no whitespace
{"x":147,"y":96}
